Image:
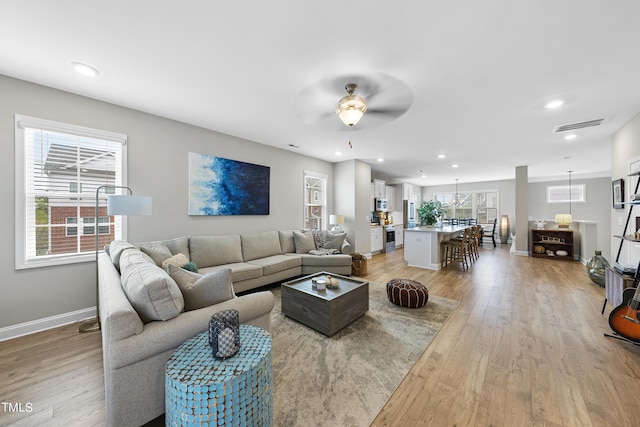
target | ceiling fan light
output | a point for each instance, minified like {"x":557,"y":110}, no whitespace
{"x":350,"y":116}
{"x":352,"y":107}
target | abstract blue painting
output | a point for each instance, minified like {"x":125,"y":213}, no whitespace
{"x":219,"y":186}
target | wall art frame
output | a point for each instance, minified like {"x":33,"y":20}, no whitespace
{"x":220,"y":187}
{"x":617,"y":192}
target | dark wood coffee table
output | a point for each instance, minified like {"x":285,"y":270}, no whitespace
{"x":325,"y":311}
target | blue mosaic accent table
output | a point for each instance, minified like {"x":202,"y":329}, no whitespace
{"x":203,"y":391}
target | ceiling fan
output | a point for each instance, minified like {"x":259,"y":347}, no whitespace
{"x":371,"y":100}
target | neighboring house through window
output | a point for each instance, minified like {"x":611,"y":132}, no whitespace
{"x":315,"y":201}
{"x":58,"y":169}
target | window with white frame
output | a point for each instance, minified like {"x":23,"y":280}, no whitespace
{"x":58,"y":170}
{"x":482,"y":205}
{"x":315,"y":201}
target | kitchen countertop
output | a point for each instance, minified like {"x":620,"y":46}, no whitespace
{"x":434,"y":229}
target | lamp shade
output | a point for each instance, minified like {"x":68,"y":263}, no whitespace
{"x":350,"y":117}
{"x":563,"y":220}
{"x":128,"y":205}
{"x":336,"y":219}
{"x":505,"y":228}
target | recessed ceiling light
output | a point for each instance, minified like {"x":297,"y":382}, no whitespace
{"x":380,"y":159}
{"x":424,"y":176}
{"x":84,"y":69}
{"x":441,"y":156}
{"x":554,"y":104}
{"x":570,"y":136}
{"x":338,"y":153}
{"x":455,"y":165}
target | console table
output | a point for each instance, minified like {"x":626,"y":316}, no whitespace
{"x":201,"y":390}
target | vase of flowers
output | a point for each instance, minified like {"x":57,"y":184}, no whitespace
{"x":430,"y":211}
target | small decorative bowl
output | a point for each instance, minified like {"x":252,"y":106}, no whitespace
{"x":562,"y":253}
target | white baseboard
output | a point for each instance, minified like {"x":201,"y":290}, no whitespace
{"x":521,"y":253}
{"x":27,"y":328}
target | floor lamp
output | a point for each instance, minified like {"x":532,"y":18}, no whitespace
{"x":125,"y":204}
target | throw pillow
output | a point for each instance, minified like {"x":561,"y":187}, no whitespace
{"x":178,"y":260}
{"x":202,"y":290}
{"x":304,"y":242}
{"x":191,"y":266}
{"x":334,"y":241}
{"x":152,"y":293}
{"x":318,"y":237}
{"x":158,"y":253}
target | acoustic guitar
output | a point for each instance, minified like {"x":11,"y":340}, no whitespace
{"x":625,"y":318}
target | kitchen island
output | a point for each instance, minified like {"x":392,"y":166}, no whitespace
{"x":422,"y":244}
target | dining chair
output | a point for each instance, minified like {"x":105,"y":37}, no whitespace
{"x":490,"y":234}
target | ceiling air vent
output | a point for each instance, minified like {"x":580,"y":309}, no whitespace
{"x":580,"y":125}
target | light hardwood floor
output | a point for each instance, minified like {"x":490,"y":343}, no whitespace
{"x":525,"y":347}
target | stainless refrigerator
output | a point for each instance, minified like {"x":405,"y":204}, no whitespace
{"x":409,"y":213}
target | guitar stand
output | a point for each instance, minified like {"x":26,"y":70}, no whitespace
{"x":618,"y":337}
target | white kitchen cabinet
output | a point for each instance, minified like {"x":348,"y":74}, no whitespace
{"x":373,"y":196}
{"x":376,"y":239}
{"x":411,"y":192}
{"x":379,"y":188}
{"x":391,"y":198}
{"x":399,"y":235}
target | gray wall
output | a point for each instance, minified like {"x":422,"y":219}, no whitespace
{"x":157,"y":154}
{"x":352,"y":199}
{"x":597,"y":207}
{"x":626,"y":148}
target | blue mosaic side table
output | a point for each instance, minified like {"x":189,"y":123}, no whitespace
{"x":203,"y":391}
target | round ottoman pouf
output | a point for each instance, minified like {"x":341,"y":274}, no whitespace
{"x":407,"y":293}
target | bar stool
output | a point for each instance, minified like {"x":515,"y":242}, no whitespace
{"x":473,"y":241}
{"x":456,"y":250}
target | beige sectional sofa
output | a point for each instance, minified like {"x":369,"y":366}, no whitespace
{"x":137,"y":343}
{"x":259,"y":259}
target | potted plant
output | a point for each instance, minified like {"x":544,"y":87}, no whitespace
{"x":430,"y":211}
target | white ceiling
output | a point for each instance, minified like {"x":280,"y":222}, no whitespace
{"x":479,"y":72}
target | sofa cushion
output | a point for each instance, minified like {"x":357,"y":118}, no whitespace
{"x":115,"y":251}
{"x":276,"y":263}
{"x":150,"y":290}
{"x":260,"y":245}
{"x":239,"y":270}
{"x":202,"y":290}
{"x":334,"y":241}
{"x":208,"y":251}
{"x":287,"y":243}
{"x":158,"y":252}
{"x":326,"y":260}
{"x":304,"y":242}
{"x":179,"y":245}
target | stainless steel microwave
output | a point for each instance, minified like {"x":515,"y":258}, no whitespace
{"x":382,"y":205}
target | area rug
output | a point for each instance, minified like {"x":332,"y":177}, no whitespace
{"x":345,"y":380}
